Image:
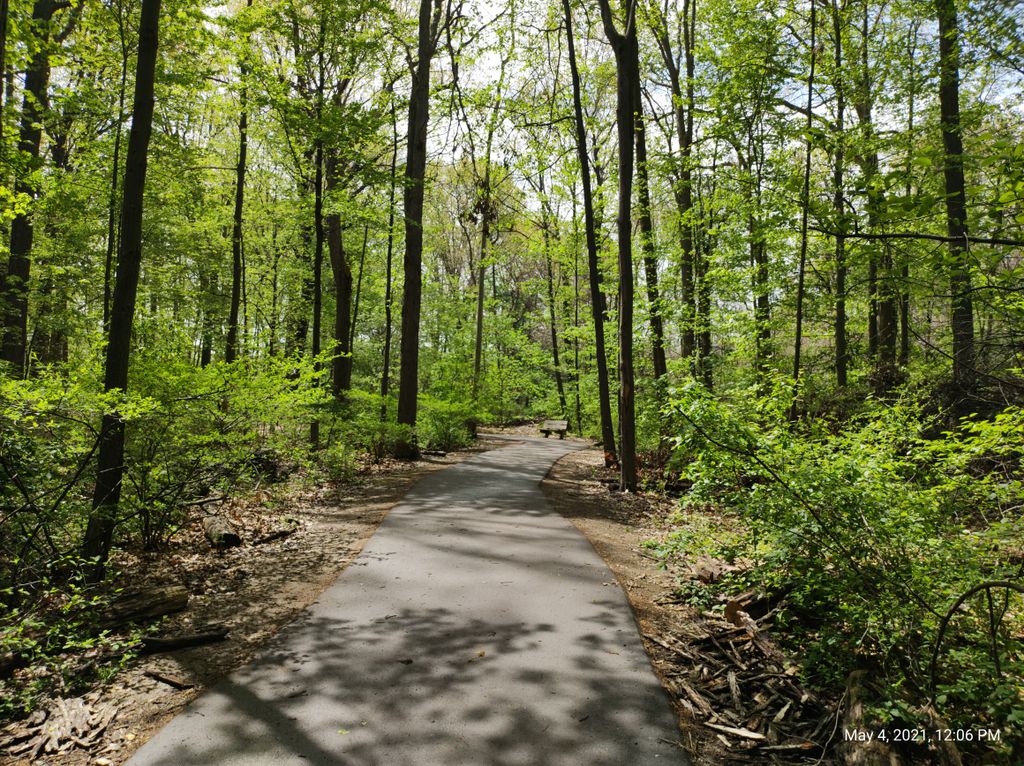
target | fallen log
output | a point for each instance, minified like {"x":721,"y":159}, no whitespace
{"x":866,"y":751}
{"x":290,"y":528}
{"x":209,"y":635}
{"x":172,"y":681}
{"x":145,"y":604}
{"x":946,"y":752}
{"x":220,"y":532}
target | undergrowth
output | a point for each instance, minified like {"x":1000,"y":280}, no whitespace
{"x":871,"y":528}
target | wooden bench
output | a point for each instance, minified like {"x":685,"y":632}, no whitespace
{"x":554,"y":427}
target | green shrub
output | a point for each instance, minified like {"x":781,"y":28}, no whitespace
{"x":190,"y":432}
{"x":51,"y":637}
{"x":872,"y":530}
{"x":361,"y":425}
{"x":445,"y":425}
{"x":198,"y":431}
{"x":338,"y":461}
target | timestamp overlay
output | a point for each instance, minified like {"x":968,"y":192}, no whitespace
{"x":921,"y":734}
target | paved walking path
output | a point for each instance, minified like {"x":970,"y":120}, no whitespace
{"x":476,"y":627}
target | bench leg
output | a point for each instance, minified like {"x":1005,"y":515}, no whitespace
{"x":546,"y":434}
{"x":561,"y":434}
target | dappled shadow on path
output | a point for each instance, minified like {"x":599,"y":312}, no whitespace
{"x":477,"y":627}
{"x":334,"y":692}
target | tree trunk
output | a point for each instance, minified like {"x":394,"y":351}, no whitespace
{"x":275,"y":268}
{"x":683,"y":186}
{"x":962,"y":311}
{"x":231,"y":346}
{"x":704,"y":247}
{"x":113,"y":220}
{"x":597,"y":301}
{"x":762,"y":306}
{"x":110,"y":458}
{"x":485,"y":238}
{"x":904,"y":292}
{"x":385,"y":377}
{"x":415,"y":170}
{"x":576,"y":319}
{"x":562,"y":406}
{"x":872,"y":305}
{"x":762,"y":298}
{"x":144,"y":605}
{"x":15,"y":282}
{"x":4,"y":10}
{"x":205,"y":319}
{"x":355,"y":300}
{"x":884,"y":295}
{"x":647,"y":235}
{"x":838,"y":201}
{"x":341,"y":365}
{"x":486,"y":216}
{"x":220,"y":532}
{"x":805,"y":203}
{"x":624,"y":45}
{"x":318,"y":268}
{"x":704,"y":367}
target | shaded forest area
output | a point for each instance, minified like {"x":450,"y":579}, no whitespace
{"x":768,"y":254}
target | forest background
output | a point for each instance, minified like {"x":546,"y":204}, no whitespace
{"x":767,"y":252}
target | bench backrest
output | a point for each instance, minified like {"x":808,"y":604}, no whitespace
{"x":555,"y":425}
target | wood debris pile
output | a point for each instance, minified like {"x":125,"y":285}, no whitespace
{"x":734,"y":680}
{"x":66,"y":724}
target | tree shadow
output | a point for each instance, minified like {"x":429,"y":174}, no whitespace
{"x":477,"y":627}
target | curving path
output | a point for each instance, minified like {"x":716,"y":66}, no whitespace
{"x":476,"y":627}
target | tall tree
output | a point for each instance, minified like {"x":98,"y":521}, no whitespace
{"x":597,"y":298}
{"x":231,"y":345}
{"x":319,"y":234}
{"x":15,"y":285}
{"x":318,"y":267}
{"x":683,"y":108}
{"x":961,"y":303}
{"x":805,"y":205}
{"x":883,"y":284}
{"x":904,"y":291}
{"x":839,"y":196}
{"x":385,"y":377}
{"x":113,"y":221}
{"x":341,"y":373}
{"x":415,"y":170}
{"x":484,"y":202}
{"x":110,"y":454}
{"x":546,"y":227}
{"x":624,"y":46}
{"x":647,"y":244}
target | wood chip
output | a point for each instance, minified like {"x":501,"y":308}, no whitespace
{"x":744,"y":733}
{"x":734,"y":690}
{"x":697,"y":699}
{"x":782,"y":712}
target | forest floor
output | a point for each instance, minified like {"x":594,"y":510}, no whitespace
{"x":253,"y":590}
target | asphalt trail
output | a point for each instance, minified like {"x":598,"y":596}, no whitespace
{"x":476,"y":627}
